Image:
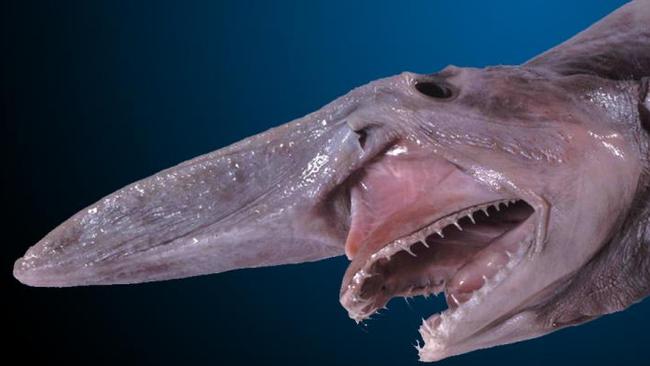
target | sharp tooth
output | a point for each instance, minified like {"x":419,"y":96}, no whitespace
{"x":417,"y":345}
{"x":408,"y":249}
{"x":471,"y":217}
{"x":458,"y":226}
{"x":497,"y":207}
{"x":427,"y":326}
{"x":485,"y":211}
{"x":506,"y":203}
{"x":454,"y":299}
{"x":439,"y":232}
{"x":424,"y":242}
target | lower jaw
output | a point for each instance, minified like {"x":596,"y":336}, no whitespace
{"x":442,"y":329}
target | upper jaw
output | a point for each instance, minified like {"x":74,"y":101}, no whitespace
{"x":484,"y":318}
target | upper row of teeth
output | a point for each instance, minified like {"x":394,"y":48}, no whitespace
{"x":405,"y":243}
{"x":437,"y":227}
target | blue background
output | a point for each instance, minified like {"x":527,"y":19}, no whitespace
{"x":98,"y":94}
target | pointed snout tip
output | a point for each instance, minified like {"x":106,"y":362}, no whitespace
{"x":47,"y":265}
{"x":21,"y":272}
{"x":29,"y":273}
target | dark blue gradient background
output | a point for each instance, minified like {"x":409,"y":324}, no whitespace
{"x":98,"y":94}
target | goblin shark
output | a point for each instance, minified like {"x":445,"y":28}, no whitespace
{"x":520,"y":192}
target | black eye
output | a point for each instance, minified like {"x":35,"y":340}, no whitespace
{"x":433,"y":89}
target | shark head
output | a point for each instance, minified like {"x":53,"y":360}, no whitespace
{"x":519,"y":192}
{"x":499,"y":196}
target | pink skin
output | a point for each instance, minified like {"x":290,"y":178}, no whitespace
{"x":397,"y":190}
{"x":369,"y":174}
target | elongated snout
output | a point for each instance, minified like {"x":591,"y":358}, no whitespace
{"x":278,"y":197}
{"x":266,"y":200}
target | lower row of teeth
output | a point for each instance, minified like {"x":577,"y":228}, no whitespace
{"x":430,"y":331}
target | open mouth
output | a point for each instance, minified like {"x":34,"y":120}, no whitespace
{"x":421,"y":226}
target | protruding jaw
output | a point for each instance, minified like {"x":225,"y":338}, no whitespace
{"x":421,"y":226}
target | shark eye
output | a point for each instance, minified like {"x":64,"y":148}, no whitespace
{"x":433,"y":89}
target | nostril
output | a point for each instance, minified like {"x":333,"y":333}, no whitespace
{"x":433,"y":89}
{"x":363,"y":135}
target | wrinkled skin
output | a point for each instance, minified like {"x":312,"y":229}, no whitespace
{"x":560,"y":144}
